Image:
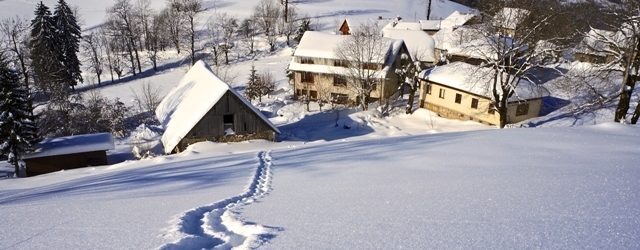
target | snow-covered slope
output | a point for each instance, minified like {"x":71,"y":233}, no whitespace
{"x":549,"y":188}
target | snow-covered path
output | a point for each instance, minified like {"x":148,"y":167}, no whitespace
{"x":216,"y":225}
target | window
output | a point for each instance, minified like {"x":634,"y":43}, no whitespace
{"x":339,"y":80}
{"x":228,"y":122}
{"x":306,"y":60}
{"x":307,"y":77}
{"x":474,"y":103}
{"x":441,"y":95}
{"x":458,"y":98}
{"x":429,"y":89}
{"x":339,"y":98}
{"x":340,"y":63}
{"x":522,"y":109}
{"x":371,"y":66}
{"x":313,"y":94}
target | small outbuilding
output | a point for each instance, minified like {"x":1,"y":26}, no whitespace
{"x":69,"y":152}
{"x":204,"y":108}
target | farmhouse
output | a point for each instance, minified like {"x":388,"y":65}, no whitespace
{"x":204,"y":108}
{"x":462,"y":91}
{"x":317,"y":69}
{"x":69,"y":152}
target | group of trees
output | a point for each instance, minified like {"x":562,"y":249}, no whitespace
{"x":259,"y":85}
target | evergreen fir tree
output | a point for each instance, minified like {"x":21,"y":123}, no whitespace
{"x":305,"y":25}
{"x":46,"y":67}
{"x":68,"y":36}
{"x":253,"y":85}
{"x":17,"y":128}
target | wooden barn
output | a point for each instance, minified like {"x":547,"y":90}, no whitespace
{"x":69,"y":152}
{"x":204,"y":108}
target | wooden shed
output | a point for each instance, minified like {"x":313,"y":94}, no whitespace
{"x":69,"y":152}
{"x":204,"y":108}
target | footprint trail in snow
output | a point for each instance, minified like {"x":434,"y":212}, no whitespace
{"x":215,"y":226}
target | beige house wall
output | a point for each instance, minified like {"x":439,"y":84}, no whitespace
{"x":383,"y":90}
{"x":448,"y":108}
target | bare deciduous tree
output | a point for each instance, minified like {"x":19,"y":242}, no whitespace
{"x":267,"y":13}
{"x":122,"y":19}
{"x":229,"y":26}
{"x":248,"y":31}
{"x":15,"y":36}
{"x":364,"y":52}
{"x":190,"y":10}
{"x":93,"y":54}
{"x":507,"y":42}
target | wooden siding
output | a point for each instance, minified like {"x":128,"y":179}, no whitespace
{"x":48,"y":164}
{"x":246,"y":124}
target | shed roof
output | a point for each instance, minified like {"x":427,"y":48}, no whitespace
{"x":72,"y":145}
{"x":476,"y":80}
{"x":198,"y":91}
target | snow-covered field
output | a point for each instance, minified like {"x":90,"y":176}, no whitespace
{"x":388,"y":182}
{"x":551,"y":188}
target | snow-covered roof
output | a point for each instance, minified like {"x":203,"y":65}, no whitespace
{"x":356,"y":23}
{"x":406,"y":26}
{"x":322,"y":45}
{"x":198,"y":91}
{"x":510,"y":18}
{"x":430,"y":24}
{"x":319,"y":44}
{"x":72,"y":145}
{"x":456,"y":19}
{"x":477,"y":80}
{"x":593,"y":43}
{"x":467,"y":41}
{"x":421,"y":45}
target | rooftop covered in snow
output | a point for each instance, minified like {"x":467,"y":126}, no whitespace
{"x":72,"y":145}
{"x":421,"y":45}
{"x":196,"y":93}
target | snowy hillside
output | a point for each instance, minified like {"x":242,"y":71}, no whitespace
{"x":551,"y":188}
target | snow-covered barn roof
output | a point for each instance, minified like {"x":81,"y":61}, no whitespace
{"x":317,"y":44}
{"x":198,"y":91}
{"x":476,"y":80}
{"x":72,"y":145}
{"x":421,"y":45}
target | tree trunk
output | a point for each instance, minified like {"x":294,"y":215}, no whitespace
{"x":636,"y":114}
{"x":428,"y":9}
{"x":286,"y":11}
{"x":625,"y":98}
{"x":99,"y":81}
